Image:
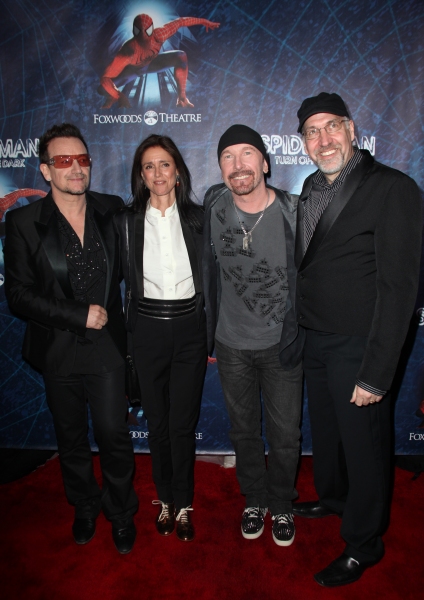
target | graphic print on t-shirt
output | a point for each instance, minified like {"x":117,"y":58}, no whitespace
{"x":257,"y":275}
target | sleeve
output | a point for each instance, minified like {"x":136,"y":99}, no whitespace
{"x":370,"y":389}
{"x":397,"y":241}
{"x":24,"y":288}
{"x":169,"y":29}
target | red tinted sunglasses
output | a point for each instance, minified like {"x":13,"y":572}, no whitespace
{"x":62,"y":162}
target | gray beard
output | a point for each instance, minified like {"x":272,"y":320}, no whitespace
{"x":335,"y":168}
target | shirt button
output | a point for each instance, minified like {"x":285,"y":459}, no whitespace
{"x":302,"y":297}
{"x":301,"y":316}
{"x":301,"y":276}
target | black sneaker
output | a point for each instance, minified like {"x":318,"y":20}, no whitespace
{"x":252,"y":523}
{"x":283,"y":529}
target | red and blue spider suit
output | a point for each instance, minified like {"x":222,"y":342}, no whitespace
{"x":140,"y":55}
{"x":11,"y":198}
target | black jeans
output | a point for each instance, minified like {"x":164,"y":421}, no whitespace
{"x":67,"y":399}
{"x":243,"y":374}
{"x":351,"y":444}
{"x":171,"y":357}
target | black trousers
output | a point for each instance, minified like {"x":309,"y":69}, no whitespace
{"x":67,"y":399}
{"x":244,"y":375}
{"x":171,"y":357}
{"x":351,"y":444}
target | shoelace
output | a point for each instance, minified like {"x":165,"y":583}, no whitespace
{"x":284,"y":518}
{"x":254,"y":511}
{"x":182,"y":515}
{"x":165,"y":512}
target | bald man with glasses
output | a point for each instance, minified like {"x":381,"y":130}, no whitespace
{"x":358,"y":249}
{"x":61,"y":266}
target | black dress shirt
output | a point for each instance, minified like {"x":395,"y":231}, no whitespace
{"x":87,"y":275}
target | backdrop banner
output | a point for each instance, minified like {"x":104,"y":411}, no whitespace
{"x":206,"y":66}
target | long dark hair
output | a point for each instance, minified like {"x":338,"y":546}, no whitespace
{"x":189,"y":210}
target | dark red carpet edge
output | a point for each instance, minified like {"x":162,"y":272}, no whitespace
{"x":40,"y":561}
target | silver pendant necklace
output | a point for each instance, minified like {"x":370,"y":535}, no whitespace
{"x":247,"y":238}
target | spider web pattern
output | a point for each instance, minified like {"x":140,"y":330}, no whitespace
{"x":265,"y":58}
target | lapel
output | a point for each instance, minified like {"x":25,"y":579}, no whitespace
{"x":336,"y":206}
{"x":48,"y":231}
{"x":192,"y":255}
{"x":103,"y":222}
{"x":138,"y":237}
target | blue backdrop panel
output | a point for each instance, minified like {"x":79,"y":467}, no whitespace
{"x":256,"y":68}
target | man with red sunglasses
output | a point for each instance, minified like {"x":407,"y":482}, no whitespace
{"x":61,"y":263}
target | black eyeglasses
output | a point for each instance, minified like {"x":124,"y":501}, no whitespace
{"x":64,"y":161}
{"x":331,"y":127}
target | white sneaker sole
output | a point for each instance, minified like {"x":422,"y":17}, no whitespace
{"x":283,"y":542}
{"x":252,"y":536}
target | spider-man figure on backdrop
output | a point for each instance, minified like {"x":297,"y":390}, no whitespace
{"x":12,"y":197}
{"x":140,"y":55}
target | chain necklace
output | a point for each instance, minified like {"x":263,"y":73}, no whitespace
{"x":247,"y":238}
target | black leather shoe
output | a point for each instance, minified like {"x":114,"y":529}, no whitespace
{"x":124,"y":533}
{"x":83,"y":530}
{"x":341,"y":571}
{"x":185,"y":529}
{"x":312,"y":510}
{"x":165,"y":521}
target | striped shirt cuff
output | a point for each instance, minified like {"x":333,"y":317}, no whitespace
{"x":370,"y":389}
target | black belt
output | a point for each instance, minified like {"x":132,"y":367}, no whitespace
{"x":166,"y":309}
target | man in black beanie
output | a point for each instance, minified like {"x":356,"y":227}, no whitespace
{"x":358,"y":250}
{"x":249,"y":272}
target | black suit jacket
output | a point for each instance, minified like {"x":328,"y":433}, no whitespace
{"x":37,"y":284}
{"x":133,"y":266}
{"x":359,"y":275}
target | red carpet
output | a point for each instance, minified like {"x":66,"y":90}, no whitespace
{"x":40,"y":561}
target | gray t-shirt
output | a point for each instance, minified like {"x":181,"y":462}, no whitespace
{"x":254,"y":281}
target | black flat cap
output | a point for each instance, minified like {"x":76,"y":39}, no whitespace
{"x":323,"y":103}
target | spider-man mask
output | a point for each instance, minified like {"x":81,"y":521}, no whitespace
{"x":143,"y":24}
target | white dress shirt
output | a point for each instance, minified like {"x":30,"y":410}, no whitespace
{"x":166,"y":265}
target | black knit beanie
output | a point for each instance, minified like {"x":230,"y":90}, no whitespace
{"x":240,"y":134}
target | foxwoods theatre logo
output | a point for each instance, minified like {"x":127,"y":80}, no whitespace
{"x":288,"y":149}
{"x":13,"y":153}
{"x":149,"y":118}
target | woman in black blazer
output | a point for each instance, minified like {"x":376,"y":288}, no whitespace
{"x":161,"y":244}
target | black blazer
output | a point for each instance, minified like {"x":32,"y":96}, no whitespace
{"x":37,"y":284}
{"x":133,"y":272}
{"x":359,"y":275}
